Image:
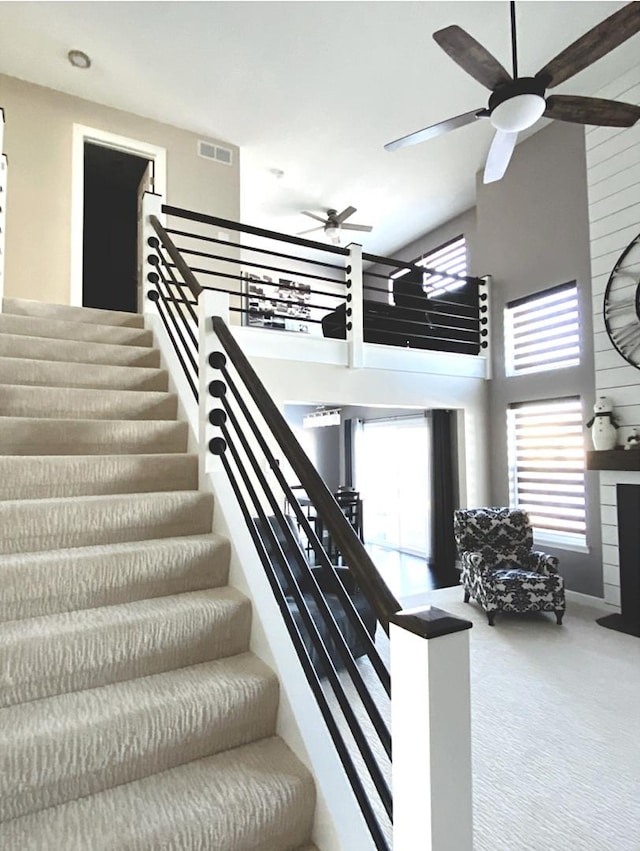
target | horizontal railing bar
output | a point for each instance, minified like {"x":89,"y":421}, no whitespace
{"x":403,"y":264}
{"x":164,"y":320}
{"x":366,"y":575}
{"x":243,"y":278}
{"x":248,"y":312}
{"x":312,"y":630}
{"x":255,"y":231}
{"x":185,"y":324}
{"x":269,"y":251}
{"x":189,"y":278}
{"x":308,"y":668}
{"x":371,"y":649}
{"x":317,"y":594}
{"x":241,"y":262}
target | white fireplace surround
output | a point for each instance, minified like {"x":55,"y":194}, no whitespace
{"x":609,"y":479}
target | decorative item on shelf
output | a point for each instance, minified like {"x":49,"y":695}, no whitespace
{"x":605,"y":425}
{"x":633,"y":441}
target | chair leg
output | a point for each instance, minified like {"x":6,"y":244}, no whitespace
{"x":491,"y":617}
{"x":559,"y":616}
{"x":466,"y":596}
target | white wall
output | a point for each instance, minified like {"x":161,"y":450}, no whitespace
{"x":38,"y":142}
{"x":613,"y":168}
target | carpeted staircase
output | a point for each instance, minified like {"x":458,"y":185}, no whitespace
{"x":132,"y":714}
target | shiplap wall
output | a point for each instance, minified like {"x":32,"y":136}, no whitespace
{"x":613,"y":173}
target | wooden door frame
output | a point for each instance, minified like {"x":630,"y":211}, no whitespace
{"x":82,"y":134}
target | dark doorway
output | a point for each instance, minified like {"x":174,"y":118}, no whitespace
{"x":110,"y":231}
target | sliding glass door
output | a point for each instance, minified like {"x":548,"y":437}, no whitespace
{"x":394,"y":479}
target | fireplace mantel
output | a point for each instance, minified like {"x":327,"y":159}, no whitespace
{"x":614,"y":459}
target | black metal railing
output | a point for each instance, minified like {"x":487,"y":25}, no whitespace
{"x":333,"y":612}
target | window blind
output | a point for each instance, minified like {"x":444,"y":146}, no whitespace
{"x":542,"y":331}
{"x":446,"y":260}
{"x":546,"y":465}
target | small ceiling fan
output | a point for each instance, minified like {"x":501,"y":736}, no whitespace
{"x":516,"y":103}
{"x":334,"y":223}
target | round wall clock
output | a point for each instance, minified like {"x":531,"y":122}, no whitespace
{"x":622,"y":304}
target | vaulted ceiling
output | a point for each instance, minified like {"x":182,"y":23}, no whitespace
{"x":310,"y":91}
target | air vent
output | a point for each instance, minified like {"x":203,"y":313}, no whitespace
{"x":215,"y":152}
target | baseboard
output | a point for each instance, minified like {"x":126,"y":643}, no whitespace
{"x":588,"y":600}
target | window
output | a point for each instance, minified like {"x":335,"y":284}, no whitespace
{"x":546,"y":467}
{"x":448,"y":259}
{"x":542,"y":331}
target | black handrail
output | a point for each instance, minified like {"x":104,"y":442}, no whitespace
{"x":268,"y":234}
{"x":189,"y":278}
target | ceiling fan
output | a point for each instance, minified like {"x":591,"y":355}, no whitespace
{"x":334,"y":223}
{"x":516,"y":103}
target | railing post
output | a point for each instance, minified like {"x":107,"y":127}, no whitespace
{"x":431,"y":731}
{"x":210,"y":303}
{"x":355,"y":308}
{"x":484,"y":309}
{"x":4,"y":170}
{"x":149,"y":204}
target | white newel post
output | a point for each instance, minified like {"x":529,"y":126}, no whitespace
{"x":149,"y":204}
{"x":4,"y":170}
{"x":431,"y":732}
{"x":354,"y":308}
{"x":484,"y":293}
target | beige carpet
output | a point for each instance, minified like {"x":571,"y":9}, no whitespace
{"x":132,"y":716}
{"x":555,"y":714}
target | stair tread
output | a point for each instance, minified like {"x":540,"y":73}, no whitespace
{"x":196,"y":804}
{"x":86,"y":648}
{"x":70,"y":745}
{"x":77,"y":351}
{"x":31,"y":435}
{"x":86,"y":403}
{"x":37,"y":326}
{"x":57,"y":373}
{"x":38,"y":524}
{"x":49,"y":581}
{"x":55,"y":476}
{"x":73,"y":313}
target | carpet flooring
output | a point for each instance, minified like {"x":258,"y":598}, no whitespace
{"x":132,"y":715}
{"x":555,"y":712}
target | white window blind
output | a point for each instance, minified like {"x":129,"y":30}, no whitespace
{"x":546,"y":467}
{"x":542,"y":331}
{"x":448,"y":259}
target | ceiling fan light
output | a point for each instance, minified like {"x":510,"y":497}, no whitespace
{"x":332,"y":231}
{"x":518,"y":113}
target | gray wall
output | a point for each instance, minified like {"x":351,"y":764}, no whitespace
{"x":533,"y":233}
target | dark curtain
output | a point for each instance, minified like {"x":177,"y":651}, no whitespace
{"x":443,"y":548}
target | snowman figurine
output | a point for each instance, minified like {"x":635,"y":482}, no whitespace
{"x":605,"y":426}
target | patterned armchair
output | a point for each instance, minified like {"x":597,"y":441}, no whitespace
{"x":499,"y":568}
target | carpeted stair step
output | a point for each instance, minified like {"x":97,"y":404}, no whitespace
{"x":40,"y":477}
{"x":86,"y":649}
{"x":258,"y":796}
{"x":27,"y":307}
{"x":50,"y":524}
{"x":34,"y":436}
{"x":65,"y":747}
{"x":44,"y":583}
{"x":80,"y":403}
{"x":75,"y":351}
{"x":44,"y":373}
{"x":35,"y":326}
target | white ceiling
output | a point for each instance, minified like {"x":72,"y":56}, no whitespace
{"x":313,"y":89}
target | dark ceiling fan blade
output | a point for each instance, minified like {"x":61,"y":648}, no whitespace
{"x":313,"y":216}
{"x":499,"y":155}
{"x":470,"y":55}
{"x":348,"y":211}
{"x":311,"y":230}
{"x":583,"y":110}
{"x":356,"y":227}
{"x":593,"y":45}
{"x":437,"y":129}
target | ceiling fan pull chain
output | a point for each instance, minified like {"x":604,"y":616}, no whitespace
{"x":514,"y":46}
